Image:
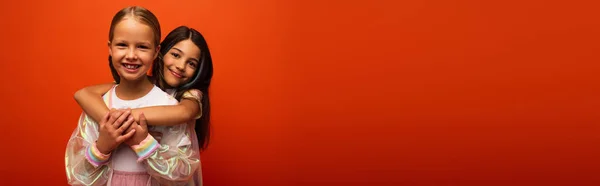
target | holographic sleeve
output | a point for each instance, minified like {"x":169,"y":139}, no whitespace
{"x":85,"y":166}
{"x":175,"y":160}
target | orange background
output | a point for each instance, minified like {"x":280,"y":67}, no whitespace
{"x":313,"y":92}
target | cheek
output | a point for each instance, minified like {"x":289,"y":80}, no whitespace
{"x":167,"y":74}
{"x":117,"y":54}
{"x":165,"y":66}
{"x":167,"y":61}
{"x":148,"y":58}
{"x":189,"y":73}
{"x":116,"y":58}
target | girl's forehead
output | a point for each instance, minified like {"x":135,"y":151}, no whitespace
{"x":132,"y":29}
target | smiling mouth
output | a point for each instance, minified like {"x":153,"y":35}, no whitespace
{"x":176,"y":74}
{"x":131,"y":66}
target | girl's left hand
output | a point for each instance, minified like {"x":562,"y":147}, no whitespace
{"x":141,"y":131}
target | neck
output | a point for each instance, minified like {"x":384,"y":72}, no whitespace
{"x":130,"y":90}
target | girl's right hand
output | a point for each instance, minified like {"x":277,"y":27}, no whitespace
{"x":112,"y":126}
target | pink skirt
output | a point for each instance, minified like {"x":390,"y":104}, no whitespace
{"x":120,"y":178}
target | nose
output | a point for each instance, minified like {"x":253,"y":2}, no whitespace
{"x":180,"y":65}
{"x":131,"y":55}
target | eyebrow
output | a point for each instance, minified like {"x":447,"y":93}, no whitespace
{"x":125,"y":41}
{"x":197,"y":61}
{"x":178,"y":50}
{"x":144,"y":43}
{"x":120,"y":41}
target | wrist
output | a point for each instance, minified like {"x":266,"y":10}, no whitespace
{"x":101,"y":148}
{"x":145,"y":148}
{"x":95,"y":157}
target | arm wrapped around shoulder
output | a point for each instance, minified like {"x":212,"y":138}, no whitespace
{"x":194,"y":94}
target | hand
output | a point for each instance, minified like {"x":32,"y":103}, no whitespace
{"x":112,"y":126}
{"x":141,"y":131}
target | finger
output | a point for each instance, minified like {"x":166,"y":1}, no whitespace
{"x":105,"y":118}
{"x":121,"y":119}
{"x":132,"y":126}
{"x":125,"y":125}
{"x":143,"y":121}
{"x":126,"y":136}
{"x":114,"y":115}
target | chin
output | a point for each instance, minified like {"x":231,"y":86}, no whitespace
{"x":131,"y":77}
{"x":173,"y":84}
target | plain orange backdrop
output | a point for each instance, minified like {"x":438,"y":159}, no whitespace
{"x":310,"y":92}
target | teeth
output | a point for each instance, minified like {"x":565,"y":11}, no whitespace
{"x":131,"y":66}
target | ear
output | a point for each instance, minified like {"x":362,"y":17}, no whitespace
{"x":109,"y":49}
{"x":157,"y":51}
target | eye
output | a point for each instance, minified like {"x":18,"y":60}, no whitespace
{"x":192,"y":64}
{"x":143,"y":47}
{"x":176,"y":55}
{"x":121,"y":45}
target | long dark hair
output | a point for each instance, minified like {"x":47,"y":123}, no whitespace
{"x":201,"y":78}
{"x":142,"y":15}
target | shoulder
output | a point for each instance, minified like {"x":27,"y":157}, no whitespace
{"x":162,"y":97}
{"x":194,"y":94}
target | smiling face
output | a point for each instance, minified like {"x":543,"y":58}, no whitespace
{"x":132,"y":48}
{"x":181,"y":63}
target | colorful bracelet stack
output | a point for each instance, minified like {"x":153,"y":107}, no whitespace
{"x":145,"y":148}
{"x":95,"y":157}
